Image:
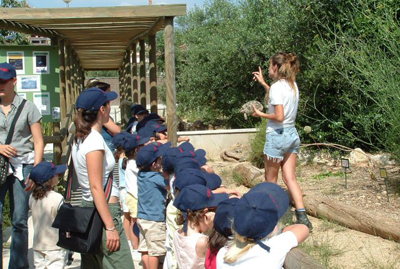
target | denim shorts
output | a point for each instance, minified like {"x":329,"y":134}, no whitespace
{"x":280,"y":142}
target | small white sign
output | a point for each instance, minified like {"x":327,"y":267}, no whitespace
{"x":42,"y":102}
{"x":56,"y":113}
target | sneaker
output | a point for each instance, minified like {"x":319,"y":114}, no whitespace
{"x":302,"y":218}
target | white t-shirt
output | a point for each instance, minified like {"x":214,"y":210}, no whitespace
{"x":279,"y":245}
{"x":44,"y":211}
{"x":131,"y":173}
{"x":282,"y":94}
{"x":94,"y":141}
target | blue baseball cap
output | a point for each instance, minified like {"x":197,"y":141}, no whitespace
{"x":197,"y":197}
{"x":119,"y":138}
{"x":190,"y":176}
{"x":137,"y":109}
{"x":125,"y":140}
{"x":141,"y":140}
{"x":151,"y":116}
{"x":93,"y":98}
{"x":149,"y":154}
{"x":185,"y":162}
{"x":7,"y":71}
{"x":186,"y":146}
{"x":168,"y":160}
{"x":274,"y":190}
{"x":224,"y":216}
{"x":45,"y":171}
{"x":257,"y":212}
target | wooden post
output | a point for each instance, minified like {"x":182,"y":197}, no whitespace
{"x":122,"y":93}
{"x":56,"y":146}
{"x":135,"y":74}
{"x":69,"y":97}
{"x":73,"y":82}
{"x":128,"y":79}
{"x":170,"y":79}
{"x":142,"y":73}
{"x":153,"y":74}
{"x":63,"y":103}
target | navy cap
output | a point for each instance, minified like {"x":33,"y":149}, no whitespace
{"x":151,"y":116}
{"x":45,"y":171}
{"x":137,"y":109}
{"x":224,"y":216}
{"x":147,"y":131}
{"x":186,"y":146}
{"x":140,"y":140}
{"x":149,"y":154}
{"x":274,"y":190}
{"x":197,"y":197}
{"x":257,"y":213}
{"x":185,"y":162}
{"x":168,"y":160}
{"x":190,"y":176}
{"x":7,"y":71}
{"x":188,"y":150}
{"x":118,"y":139}
{"x":93,"y":98}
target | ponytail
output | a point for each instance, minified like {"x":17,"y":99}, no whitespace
{"x":83,"y":123}
{"x":288,"y":66}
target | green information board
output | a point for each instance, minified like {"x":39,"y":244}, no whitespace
{"x":37,"y":76}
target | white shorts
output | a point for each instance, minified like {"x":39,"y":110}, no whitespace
{"x":54,"y":259}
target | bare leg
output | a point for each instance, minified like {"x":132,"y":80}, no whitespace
{"x":126,"y":223}
{"x":289,"y":177}
{"x":145,"y":260}
{"x":153,"y":262}
{"x":271,"y":170}
{"x":134,"y":238}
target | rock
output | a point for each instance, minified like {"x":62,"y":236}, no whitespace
{"x":236,"y":153}
{"x":250,"y":175}
{"x":382,"y":159}
{"x":358,"y":157}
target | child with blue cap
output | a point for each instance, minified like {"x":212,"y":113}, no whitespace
{"x":197,"y":204}
{"x":152,"y":192}
{"x":44,"y":203}
{"x":256,"y":241}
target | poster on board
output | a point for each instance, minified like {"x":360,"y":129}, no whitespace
{"x":16,"y":58}
{"x":42,"y":102}
{"x":41,"y":62}
{"x":28,"y":83}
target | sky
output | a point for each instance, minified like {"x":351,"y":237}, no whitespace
{"x":107,"y":3}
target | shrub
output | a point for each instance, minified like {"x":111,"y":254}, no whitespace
{"x":257,"y":145}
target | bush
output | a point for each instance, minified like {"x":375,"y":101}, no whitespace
{"x":257,"y":145}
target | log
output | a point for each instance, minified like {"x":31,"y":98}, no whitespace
{"x":250,"y":175}
{"x":352,"y":217}
{"x":298,"y":258}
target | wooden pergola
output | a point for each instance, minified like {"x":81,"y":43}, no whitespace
{"x":105,"y":38}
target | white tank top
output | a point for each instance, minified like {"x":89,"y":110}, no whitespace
{"x":185,"y":251}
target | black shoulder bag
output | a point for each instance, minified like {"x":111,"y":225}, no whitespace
{"x":80,"y":228}
{"x":4,"y":161}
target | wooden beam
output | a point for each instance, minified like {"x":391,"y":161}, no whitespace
{"x":27,"y":29}
{"x":63,"y":101}
{"x":135,"y":74}
{"x":153,"y":74}
{"x":68,"y":84}
{"x":93,"y":12}
{"x":170,"y":80}
{"x":152,"y":31}
{"x":128,"y":75}
{"x":142,"y":66}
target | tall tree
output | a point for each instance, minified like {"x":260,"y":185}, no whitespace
{"x":11,"y":37}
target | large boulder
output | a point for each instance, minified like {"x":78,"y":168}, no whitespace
{"x":359,"y":157}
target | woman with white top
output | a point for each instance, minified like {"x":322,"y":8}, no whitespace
{"x":93,"y":162}
{"x":282,"y":141}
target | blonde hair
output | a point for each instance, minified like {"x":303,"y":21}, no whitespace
{"x":241,"y":245}
{"x":288,"y":67}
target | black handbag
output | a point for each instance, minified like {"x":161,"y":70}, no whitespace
{"x":80,"y":228}
{"x":4,"y":161}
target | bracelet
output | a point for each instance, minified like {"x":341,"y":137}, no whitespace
{"x":111,"y":229}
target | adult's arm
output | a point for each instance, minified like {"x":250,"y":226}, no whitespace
{"x":278,"y":115}
{"x":38,"y":143}
{"x":94,"y":163}
{"x":112,"y":127}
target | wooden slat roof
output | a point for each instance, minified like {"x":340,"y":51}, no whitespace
{"x":100,"y":36}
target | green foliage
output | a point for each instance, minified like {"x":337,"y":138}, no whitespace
{"x":257,"y":145}
{"x":349,"y":53}
{"x":6,"y":212}
{"x":10,"y":37}
{"x":329,"y":174}
{"x":101,"y":74}
{"x":47,"y":128}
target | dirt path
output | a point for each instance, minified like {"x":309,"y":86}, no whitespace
{"x":332,"y":245}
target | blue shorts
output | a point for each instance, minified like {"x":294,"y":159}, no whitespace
{"x":280,"y":142}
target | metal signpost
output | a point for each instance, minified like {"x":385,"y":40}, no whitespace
{"x":346,"y":165}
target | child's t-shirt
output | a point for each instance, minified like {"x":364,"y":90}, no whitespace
{"x":151,"y":196}
{"x":44,"y":211}
{"x":279,"y":245}
{"x":131,"y":178}
{"x":121,"y":171}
